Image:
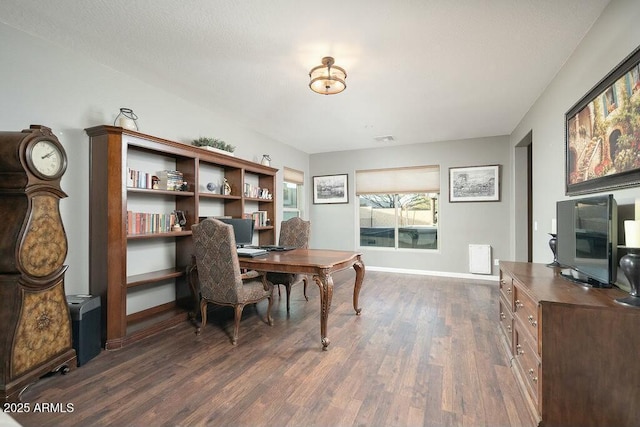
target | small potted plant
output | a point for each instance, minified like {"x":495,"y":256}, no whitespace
{"x":214,"y":144}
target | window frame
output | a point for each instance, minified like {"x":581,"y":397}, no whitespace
{"x":293,"y":177}
{"x":397,"y":224}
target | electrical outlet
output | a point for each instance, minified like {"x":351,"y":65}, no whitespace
{"x":496,"y":261}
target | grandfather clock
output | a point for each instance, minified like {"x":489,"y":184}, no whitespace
{"x":35,"y":325}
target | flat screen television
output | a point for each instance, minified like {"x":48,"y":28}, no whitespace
{"x":587,"y":233}
{"x":242,"y":230}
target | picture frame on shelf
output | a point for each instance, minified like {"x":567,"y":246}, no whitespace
{"x":474,"y":184}
{"x":330,"y":189}
{"x":602,"y":133}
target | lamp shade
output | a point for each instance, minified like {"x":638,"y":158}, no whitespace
{"x":327,"y":79}
{"x":632,"y":234}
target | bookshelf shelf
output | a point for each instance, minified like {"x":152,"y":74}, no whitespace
{"x":161,"y":192}
{"x":155,"y":276}
{"x":171,"y":234}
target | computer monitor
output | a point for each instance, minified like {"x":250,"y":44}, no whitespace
{"x":242,"y":229}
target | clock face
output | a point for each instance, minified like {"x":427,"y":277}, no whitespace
{"x":47,"y":159}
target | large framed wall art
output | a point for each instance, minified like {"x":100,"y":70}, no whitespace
{"x":474,"y":184}
{"x":602,"y":133}
{"x":328,"y":189}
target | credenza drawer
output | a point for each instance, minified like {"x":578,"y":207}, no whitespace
{"x":506,"y":288}
{"x":526,"y":309}
{"x":506,"y":321}
{"x":528,"y":362}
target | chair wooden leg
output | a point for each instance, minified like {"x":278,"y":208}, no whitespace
{"x":203,"y":313}
{"x":288,"y":286}
{"x":236,"y":327}
{"x":304,"y":281}
{"x":269,"y":318}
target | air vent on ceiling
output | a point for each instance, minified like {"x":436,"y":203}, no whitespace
{"x":385,"y":138}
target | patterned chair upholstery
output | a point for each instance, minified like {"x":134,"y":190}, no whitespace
{"x":293,"y":232}
{"x":218,"y":272}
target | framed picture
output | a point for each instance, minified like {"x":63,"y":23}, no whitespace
{"x":330,"y":189}
{"x":602,"y":133}
{"x":474,"y":184}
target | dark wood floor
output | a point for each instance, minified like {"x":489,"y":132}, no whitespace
{"x":424,"y":352}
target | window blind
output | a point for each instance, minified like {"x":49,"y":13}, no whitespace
{"x":293,"y":176}
{"x":416,"y":179}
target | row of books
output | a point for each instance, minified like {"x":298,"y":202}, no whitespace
{"x":259,"y":218}
{"x":142,"y":222}
{"x":139,"y":179}
{"x":257,"y":192}
{"x":164,"y":180}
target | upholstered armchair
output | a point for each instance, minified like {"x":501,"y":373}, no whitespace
{"x":293,"y":233}
{"x":218,"y":272}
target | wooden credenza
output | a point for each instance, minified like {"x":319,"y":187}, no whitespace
{"x":574,"y":350}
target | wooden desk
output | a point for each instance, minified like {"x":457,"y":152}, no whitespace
{"x":318,"y":263}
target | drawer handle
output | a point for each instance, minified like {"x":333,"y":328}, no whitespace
{"x":502,"y":315}
{"x":519,"y":349}
{"x":534,"y":379}
{"x":509,"y":328}
{"x":519,"y":303}
{"x":508,"y":290}
{"x":533,"y":322}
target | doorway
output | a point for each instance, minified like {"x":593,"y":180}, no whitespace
{"x":523,"y":200}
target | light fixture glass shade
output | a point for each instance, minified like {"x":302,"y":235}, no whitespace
{"x":327,"y":79}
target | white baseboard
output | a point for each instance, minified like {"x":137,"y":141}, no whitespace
{"x":435,"y":273}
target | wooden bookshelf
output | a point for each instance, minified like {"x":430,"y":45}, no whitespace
{"x":111,"y":148}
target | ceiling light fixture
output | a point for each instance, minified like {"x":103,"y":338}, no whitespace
{"x":327,"y":79}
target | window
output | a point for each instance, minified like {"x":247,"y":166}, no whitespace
{"x":292,"y":193}
{"x":398,"y":208}
{"x":610,"y":100}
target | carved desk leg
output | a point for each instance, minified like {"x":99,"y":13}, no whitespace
{"x":325,"y":283}
{"x":358,"y":266}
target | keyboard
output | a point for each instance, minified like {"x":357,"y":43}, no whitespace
{"x":251,"y":252}
{"x":276,"y":248}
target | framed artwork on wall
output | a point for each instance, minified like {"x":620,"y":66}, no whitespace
{"x":329,"y":189}
{"x":474,"y":184}
{"x":602,"y":133}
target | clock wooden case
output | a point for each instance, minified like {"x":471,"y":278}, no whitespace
{"x":35,"y":324}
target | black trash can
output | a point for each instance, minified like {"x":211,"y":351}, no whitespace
{"x":85,"y":318}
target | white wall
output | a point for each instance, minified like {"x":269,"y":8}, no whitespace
{"x":44,"y":84}
{"x":460,"y":224}
{"x":613,"y":36}
{"x":49,"y":85}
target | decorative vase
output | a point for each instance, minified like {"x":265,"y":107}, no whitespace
{"x":553,"y":244}
{"x":630,"y":266}
{"x":266,"y":160}
{"x":126,"y":119}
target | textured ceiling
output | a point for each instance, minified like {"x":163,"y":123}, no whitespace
{"x":421,"y":71}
